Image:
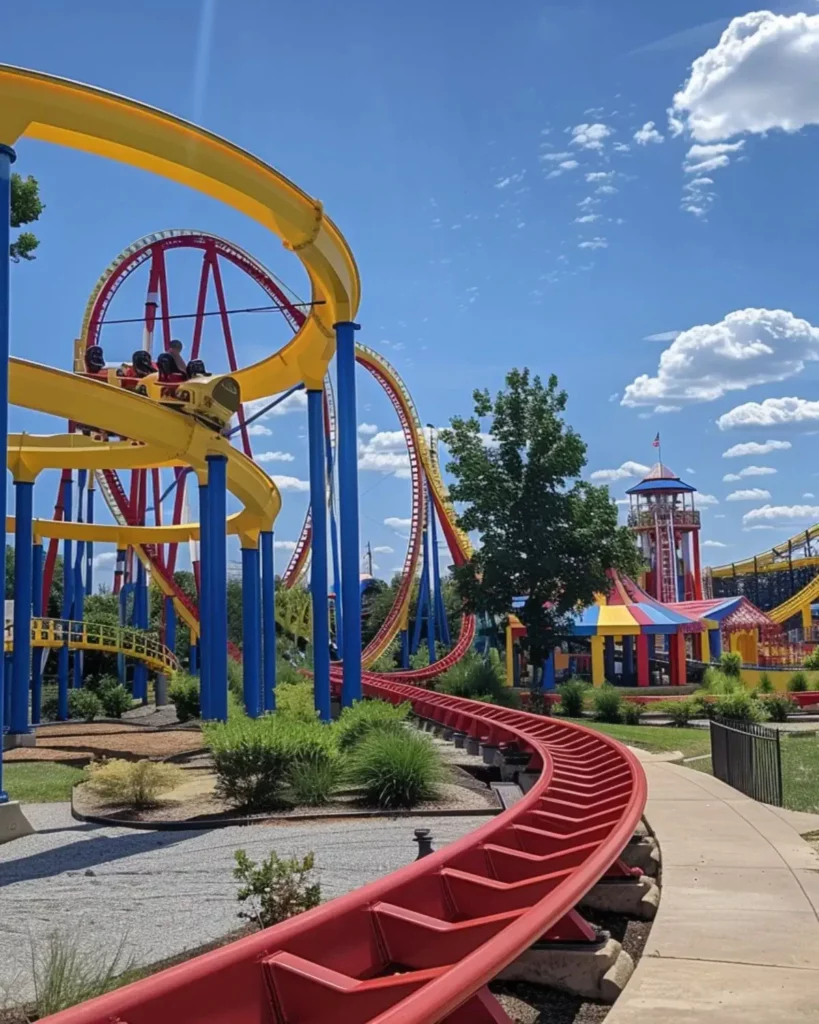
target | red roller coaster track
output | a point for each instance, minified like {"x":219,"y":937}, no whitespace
{"x":420,"y":945}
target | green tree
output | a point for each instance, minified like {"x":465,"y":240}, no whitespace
{"x":544,"y":533}
{"x":26,"y":207}
{"x":55,"y":600}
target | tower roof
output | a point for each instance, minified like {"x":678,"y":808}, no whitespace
{"x":661,"y":479}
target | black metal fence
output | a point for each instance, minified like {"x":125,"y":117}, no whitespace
{"x":748,"y":757}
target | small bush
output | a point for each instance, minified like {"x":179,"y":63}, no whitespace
{"x":312,"y":782}
{"x":286,"y":672}
{"x":49,"y":704}
{"x":778,"y":706}
{"x":115,"y":700}
{"x":702,"y":707}
{"x":679,"y":711}
{"x":183,"y":693}
{"x":478,"y":679}
{"x":364,"y":716}
{"x":64,"y":975}
{"x":132,"y":783}
{"x":741,"y":707}
{"x":255,"y":758}
{"x":630,"y":712}
{"x":84,"y":704}
{"x":572,"y":697}
{"x":396,"y":769}
{"x":235,"y":679}
{"x":608,"y":704}
{"x":97,"y":683}
{"x":715,"y":681}
{"x":812,"y":660}
{"x":798,"y":683}
{"x":538,"y":704}
{"x":730,"y":664}
{"x":765,"y":684}
{"x":276,"y":889}
{"x":296,"y":700}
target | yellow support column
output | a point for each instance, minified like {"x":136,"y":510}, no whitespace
{"x":598,"y":660}
{"x":807,"y":618}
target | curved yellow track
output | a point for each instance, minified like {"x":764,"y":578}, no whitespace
{"x":40,"y":106}
{"x":89,"y":636}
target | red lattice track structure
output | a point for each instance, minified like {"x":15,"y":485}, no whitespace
{"x":420,"y":945}
{"x":129,"y":506}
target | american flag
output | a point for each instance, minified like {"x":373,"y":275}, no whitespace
{"x":656,"y":442}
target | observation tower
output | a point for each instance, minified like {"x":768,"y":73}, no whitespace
{"x":667,"y":524}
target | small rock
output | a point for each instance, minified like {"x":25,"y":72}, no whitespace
{"x":90,"y":874}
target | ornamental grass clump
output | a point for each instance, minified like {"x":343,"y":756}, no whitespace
{"x":365,"y":716}
{"x":396,"y":770}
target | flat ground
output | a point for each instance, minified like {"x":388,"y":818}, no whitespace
{"x":79,"y":743}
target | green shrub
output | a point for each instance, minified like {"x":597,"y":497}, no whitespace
{"x":572,"y":697}
{"x":275,"y":889}
{"x":701,"y":706}
{"x":798,"y":683}
{"x":132,"y":783}
{"x":286,"y":672}
{"x":715,"y":681}
{"x":364,"y":716}
{"x":812,"y":660}
{"x":630,"y":712}
{"x":49,"y":704}
{"x":765,"y":684}
{"x":740,"y":707}
{"x":396,"y":769}
{"x":235,"y":678}
{"x":730,"y":663}
{"x":65,"y":974}
{"x":296,"y":700}
{"x":255,"y":758}
{"x":478,"y":679}
{"x":312,"y":783}
{"x":387,"y":660}
{"x":183,"y":693}
{"x":84,"y":704}
{"x":607,"y":703}
{"x":679,"y":711}
{"x":778,"y":706}
{"x":115,"y":700}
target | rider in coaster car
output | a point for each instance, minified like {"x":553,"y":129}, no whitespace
{"x":94,"y":359}
{"x":196,"y":368}
{"x":142,"y":363}
{"x":168,"y":370}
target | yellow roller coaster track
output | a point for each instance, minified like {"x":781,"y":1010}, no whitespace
{"x":90,"y":636}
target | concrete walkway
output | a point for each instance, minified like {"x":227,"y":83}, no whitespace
{"x":736,"y":938}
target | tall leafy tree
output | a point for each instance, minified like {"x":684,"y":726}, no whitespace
{"x":26,"y":207}
{"x":544,"y":534}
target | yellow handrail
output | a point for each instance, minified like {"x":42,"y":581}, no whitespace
{"x":94,"y":636}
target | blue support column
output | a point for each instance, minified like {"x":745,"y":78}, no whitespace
{"x":715,"y":644}
{"x":124,"y":591}
{"x":318,"y":557}
{"x":608,"y":658}
{"x":405,"y":662}
{"x":328,"y":450}
{"x":251,"y":631}
{"x":628,"y":656}
{"x":21,"y":664}
{"x":170,"y":625}
{"x":425,"y":579}
{"x":36,"y":612}
{"x":7,"y":158}
{"x":205,"y":591}
{"x":438,"y":594}
{"x":64,"y":655}
{"x":268,"y":622}
{"x":421,"y":609}
{"x":217,"y":599}
{"x":140,"y":622}
{"x":548,"y":681}
{"x":89,"y":547}
{"x":348,"y":502}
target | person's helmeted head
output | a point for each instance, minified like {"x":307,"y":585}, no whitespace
{"x":176,"y":345}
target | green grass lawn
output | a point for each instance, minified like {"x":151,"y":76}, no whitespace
{"x":800,"y":755}
{"x":40,"y":783}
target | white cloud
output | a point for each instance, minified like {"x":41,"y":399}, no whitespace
{"x":587,"y":218}
{"x":385,"y":452}
{"x":667,"y":408}
{"x":383,"y":549}
{"x":606,"y":190}
{"x":554,"y":158}
{"x":290,"y":483}
{"x":772,"y":412}
{"x":755,"y":448}
{"x":714,"y":544}
{"x":274,"y":457}
{"x":512,"y":179}
{"x":367,"y":428}
{"x":621,"y":147}
{"x":594,"y":243}
{"x":396,"y":523}
{"x":565,"y":165}
{"x":748,"y":347}
{"x":663,"y":336}
{"x":624,"y":472}
{"x":104,"y":558}
{"x":731,"y":478}
{"x":701,"y":500}
{"x":751,"y":494}
{"x":762,"y":75}
{"x":297,"y":402}
{"x":703,"y":159}
{"x":584,"y":204}
{"x":648,"y":133}
{"x":799,"y":513}
{"x":284,"y":545}
{"x":599,"y":175}
{"x":590,"y":136}
{"x":259,"y":430}
{"x":808,"y":494}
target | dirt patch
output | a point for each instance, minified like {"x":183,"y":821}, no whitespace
{"x":79,"y":743}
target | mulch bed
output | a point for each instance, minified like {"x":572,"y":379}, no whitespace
{"x":81,"y":742}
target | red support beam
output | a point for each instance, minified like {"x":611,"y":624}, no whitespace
{"x":643,"y":673}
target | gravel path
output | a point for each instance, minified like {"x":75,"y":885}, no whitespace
{"x":168,"y":891}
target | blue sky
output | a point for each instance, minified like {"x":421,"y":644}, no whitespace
{"x":515,"y":192}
